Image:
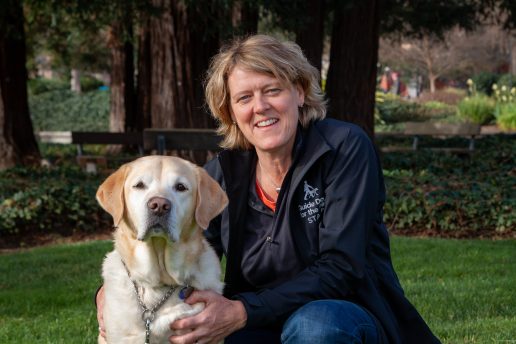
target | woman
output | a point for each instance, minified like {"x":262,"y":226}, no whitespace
{"x":308,"y":258}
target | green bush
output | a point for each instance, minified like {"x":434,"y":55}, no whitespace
{"x":89,"y":83}
{"x":506,"y":119}
{"x":507,"y":80}
{"x":450,"y":193}
{"x":62,"y":110}
{"x":478,"y":109}
{"x":484,"y":82}
{"x":395,"y":110}
{"x":58,"y":200}
{"x":42,"y":85}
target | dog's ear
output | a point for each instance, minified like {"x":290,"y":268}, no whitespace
{"x":211,"y":199}
{"x":110,"y":194}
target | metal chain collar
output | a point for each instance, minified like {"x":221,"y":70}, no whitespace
{"x":148,"y":315}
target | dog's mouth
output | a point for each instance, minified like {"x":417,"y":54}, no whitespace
{"x":157,"y":229}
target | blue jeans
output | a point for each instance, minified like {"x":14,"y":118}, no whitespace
{"x":319,"y":322}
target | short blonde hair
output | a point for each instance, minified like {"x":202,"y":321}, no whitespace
{"x":262,"y":54}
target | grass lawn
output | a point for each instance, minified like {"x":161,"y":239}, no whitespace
{"x":464,"y":289}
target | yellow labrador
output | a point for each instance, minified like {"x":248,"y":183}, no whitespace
{"x":159,"y":205}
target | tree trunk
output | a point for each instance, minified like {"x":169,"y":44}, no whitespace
{"x":75,"y":80}
{"x":167,"y":78}
{"x":310,"y":35}
{"x":143,"y":86}
{"x":431,"y":79}
{"x":351,"y":80}
{"x":122,"y":117}
{"x":180,"y":51}
{"x":244,"y":18}
{"x":17,"y":142}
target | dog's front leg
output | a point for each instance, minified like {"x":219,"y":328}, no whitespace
{"x":161,"y":326}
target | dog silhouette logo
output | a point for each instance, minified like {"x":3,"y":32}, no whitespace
{"x":310,"y":191}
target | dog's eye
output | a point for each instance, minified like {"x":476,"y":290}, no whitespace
{"x":180,"y":187}
{"x":139,"y":185}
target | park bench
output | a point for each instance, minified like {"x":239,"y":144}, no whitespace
{"x":162,"y":140}
{"x":418,"y":130}
{"x":90,"y":162}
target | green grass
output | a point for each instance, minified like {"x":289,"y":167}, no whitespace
{"x":464,"y":289}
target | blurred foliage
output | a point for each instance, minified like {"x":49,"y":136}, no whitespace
{"x":63,"y":110}
{"x":478,"y":109}
{"x":445,"y":192}
{"x":425,"y":191}
{"x":484,"y":82}
{"x":60,"y":200}
{"x":506,"y":119}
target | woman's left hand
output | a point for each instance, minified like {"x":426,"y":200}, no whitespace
{"x":219,"y":319}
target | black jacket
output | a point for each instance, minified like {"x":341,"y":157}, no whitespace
{"x":331,"y":203}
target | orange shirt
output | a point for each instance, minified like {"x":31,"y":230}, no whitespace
{"x":263,"y":197}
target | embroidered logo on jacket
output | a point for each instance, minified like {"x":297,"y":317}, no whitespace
{"x":310,"y":191}
{"x":313,"y":206}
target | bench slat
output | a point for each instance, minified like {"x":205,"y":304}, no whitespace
{"x":180,"y":139}
{"x":100,"y":137}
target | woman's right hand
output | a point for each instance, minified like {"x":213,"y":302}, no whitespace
{"x":99,"y":300}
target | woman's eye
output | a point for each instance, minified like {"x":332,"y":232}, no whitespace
{"x":180,"y":187}
{"x":243,"y":99}
{"x":274,"y":90}
{"x":139,"y":185}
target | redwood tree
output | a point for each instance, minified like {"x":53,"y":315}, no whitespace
{"x":17,"y":142}
{"x":351,"y":80}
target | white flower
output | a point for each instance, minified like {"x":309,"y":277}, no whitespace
{"x":494,"y":87}
{"x":504,"y":88}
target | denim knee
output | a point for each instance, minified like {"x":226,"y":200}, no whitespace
{"x":330,"y":321}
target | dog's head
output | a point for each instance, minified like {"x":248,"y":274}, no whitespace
{"x":161,"y":196}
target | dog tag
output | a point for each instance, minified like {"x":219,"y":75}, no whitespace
{"x":185,"y":292}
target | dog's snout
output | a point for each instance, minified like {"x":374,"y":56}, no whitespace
{"x":159,"y":206}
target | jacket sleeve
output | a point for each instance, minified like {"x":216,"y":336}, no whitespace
{"x":353,"y":199}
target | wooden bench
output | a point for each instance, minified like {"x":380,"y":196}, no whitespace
{"x":180,"y":139}
{"x":417,"y":130}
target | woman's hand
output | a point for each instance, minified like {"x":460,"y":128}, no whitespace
{"x":100,"y":297}
{"x":219,"y":319}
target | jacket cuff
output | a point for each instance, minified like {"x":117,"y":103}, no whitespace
{"x":258,"y":314}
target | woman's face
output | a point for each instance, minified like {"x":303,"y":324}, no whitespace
{"x":265,"y":110}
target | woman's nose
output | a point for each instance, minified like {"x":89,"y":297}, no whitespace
{"x":261,"y":104}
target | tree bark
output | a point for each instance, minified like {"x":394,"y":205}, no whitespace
{"x":143,"y":86}
{"x":75,"y":80}
{"x":351,"y":80}
{"x":122,"y":109}
{"x":310,"y":35}
{"x":180,"y":51}
{"x":244,"y":18}
{"x":17,"y":141}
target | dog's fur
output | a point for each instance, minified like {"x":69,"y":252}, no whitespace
{"x":160,"y":248}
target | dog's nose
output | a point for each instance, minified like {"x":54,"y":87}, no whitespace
{"x":159,"y":206}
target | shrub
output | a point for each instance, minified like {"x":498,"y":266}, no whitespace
{"x":48,"y":200}
{"x":448,"y":193}
{"x":478,"y":109}
{"x":42,"y":85}
{"x":506,"y":119}
{"x":66,"y":110}
{"x":449,"y":95}
{"x":507,"y":80}
{"x":395,"y":110}
{"x":89,"y":83}
{"x":484,"y":82}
